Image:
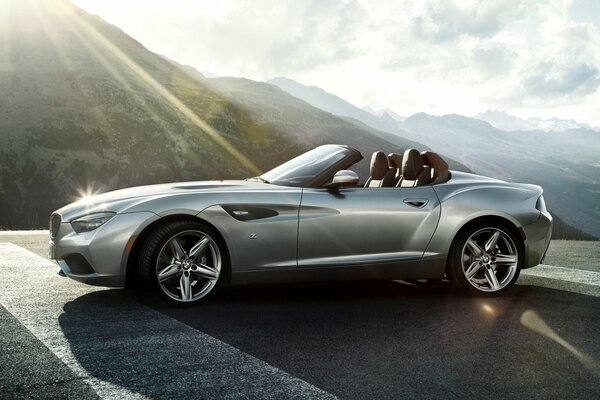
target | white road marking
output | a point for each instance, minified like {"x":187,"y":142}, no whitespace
{"x":13,"y":255}
{"x":124,"y":349}
{"x":564,"y":274}
{"x":40,"y":232}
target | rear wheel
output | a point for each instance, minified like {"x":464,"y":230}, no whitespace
{"x":182,"y":261}
{"x":485,"y":259}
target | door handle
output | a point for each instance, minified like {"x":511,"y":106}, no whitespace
{"x":417,"y":203}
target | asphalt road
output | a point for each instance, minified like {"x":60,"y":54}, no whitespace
{"x":60,"y":338}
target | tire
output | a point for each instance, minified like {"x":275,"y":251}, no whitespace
{"x":183,"y":262}
{"x":485,"y":259}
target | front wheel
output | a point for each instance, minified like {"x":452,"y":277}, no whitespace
{"x":182,"y":260}
{"x":485,"y":260}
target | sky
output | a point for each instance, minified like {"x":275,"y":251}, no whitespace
{"x":529,"y":58}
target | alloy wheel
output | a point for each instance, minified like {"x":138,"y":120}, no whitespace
{"x":188,"y":266}
{"x":489,"y":260}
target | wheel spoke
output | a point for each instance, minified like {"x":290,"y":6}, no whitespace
{"x":491,"y":243}
{"x":472,"y":270}
{"x":474,"y":247}
{"x":168,"y":272}
{"x":205,"y":271}
{"x":199,"y":248}
{"x":490,"y":275}
{"x":489,"y":259}
{"x":177,"y":250}
{"x":185,"y":286}
{"x":504,"y":259}
{"x":194,"y":267}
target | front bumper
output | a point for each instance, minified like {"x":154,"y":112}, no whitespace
{"x":538,"y":236}
{"x":98,"y":257}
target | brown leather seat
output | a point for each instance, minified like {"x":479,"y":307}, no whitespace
{"x":414,"y":173}
{"x":439,"y":167}
{"x":395,"y":161}
{"x":381,"y":173}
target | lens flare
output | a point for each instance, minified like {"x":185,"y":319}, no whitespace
{"x":86,"y":195}
{"x":488,"y":309}
{"x":533,"y":321}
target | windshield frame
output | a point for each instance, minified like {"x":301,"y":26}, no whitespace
{"x":351,"y":157}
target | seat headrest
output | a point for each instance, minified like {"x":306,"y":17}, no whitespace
{"x":412,"y":164}
{"x":437,"y":164}
{"x":395,"y":160}
{"x":379,"y":165}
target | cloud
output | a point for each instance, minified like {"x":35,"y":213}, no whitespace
{"x":493,"y":60}
{"x":564,"y":63}
{"x":438,"y":56}
{"x":547,"y":80}
{"x":440,"y":21}
{"x":262,"y":38}
{"x":327,"y":33}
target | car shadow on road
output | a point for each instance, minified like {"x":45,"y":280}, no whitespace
{"x":373,"y":339}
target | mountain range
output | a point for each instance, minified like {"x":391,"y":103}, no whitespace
{"x":565,"y":163}
{"x":87,"y":108}
{"x":503,"y":120}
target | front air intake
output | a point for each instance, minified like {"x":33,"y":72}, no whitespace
{"x":54,"y":224}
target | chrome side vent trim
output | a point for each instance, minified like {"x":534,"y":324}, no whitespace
{"x":249,"y":213}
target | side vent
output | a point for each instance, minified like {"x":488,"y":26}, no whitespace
{"x":249,"y":213}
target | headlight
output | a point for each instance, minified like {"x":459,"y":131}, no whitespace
{"x":90,"y":222}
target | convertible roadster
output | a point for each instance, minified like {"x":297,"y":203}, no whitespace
{"x":308,"y":219}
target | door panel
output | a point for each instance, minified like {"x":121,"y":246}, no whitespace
{"x":260,"y":229}
{"x":365,"y":225}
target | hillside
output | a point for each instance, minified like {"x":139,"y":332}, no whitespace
{"x":312,"y":126}
{"x":452,"y":163}
{"x":561,"y":230}
{"x":87,"y":108}
{"x":84,"y":106}
{"x":333,"y":104}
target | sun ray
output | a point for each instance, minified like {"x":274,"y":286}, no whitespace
{"x":162,"y":91}
{"x":114,"y":72}
{"x":51,"y":34}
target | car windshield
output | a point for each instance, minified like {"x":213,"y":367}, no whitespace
{"x":307,"y":166}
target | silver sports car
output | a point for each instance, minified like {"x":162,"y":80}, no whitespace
{"x":308,"y":219}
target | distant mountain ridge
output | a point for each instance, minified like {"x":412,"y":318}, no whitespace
{"x":504,"y":121}
{"x":566,"y":163}
{"x":333,"y":104}
{"x":313,"y":127}
{"x":568,"y":171}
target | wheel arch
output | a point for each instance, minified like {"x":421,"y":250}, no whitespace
{"x":132,"y":259}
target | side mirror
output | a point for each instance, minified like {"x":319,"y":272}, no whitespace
{"x":344,"y":177}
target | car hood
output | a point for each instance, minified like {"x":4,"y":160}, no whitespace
{"x":123,"y":199}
